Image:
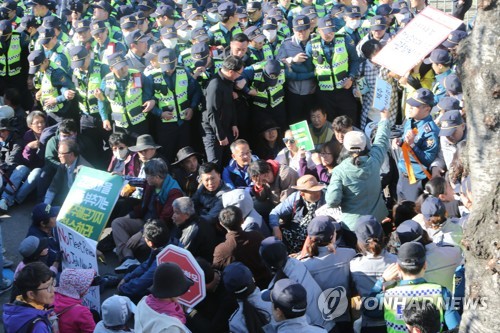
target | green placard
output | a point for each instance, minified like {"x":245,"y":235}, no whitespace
{"x":302,"y":136}
{"x":90,"y":201}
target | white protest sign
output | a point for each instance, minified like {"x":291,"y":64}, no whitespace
{"x":382,"y":95}
{"x":79,"y":252}
{"x":412,"y":44}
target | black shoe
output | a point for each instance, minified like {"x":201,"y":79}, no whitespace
{"x":107,"y":244}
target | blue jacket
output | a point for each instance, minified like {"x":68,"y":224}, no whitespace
{"x":234,"y":177}
{"x":18,"y":314}
{"x":291,"y":209}
{"x":209,"y":204}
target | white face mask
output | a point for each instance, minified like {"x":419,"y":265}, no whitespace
{"x":120,"y":154}
{"x":243,"y":25}
{"x":213,"y":17}
{"x":353,"y":25}
{"x":270,"y":34}
{"x":185,"y":35}
{"x":195,"y":23}
{"x":170,"y":43}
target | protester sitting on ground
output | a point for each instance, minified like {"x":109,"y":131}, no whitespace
{"x":320,"y":128}
{"x":440,"y":228}
{"x":36,"y":285}
{"x":185,"y":170}
{"x":146,"y":150}
{"x":135,"y":284}
{"x":253,"y":313}
{"x":296,"y":212}
{"x":323,"y":162}
{"x":34,"y":249}
{"x":369,"y":266}
{"x":160,"y":311}
{"x":235,"y":175}
{"x":208,"y":198}
{"x":116,"y":313}
{"x":43,"y":225}
{"x":291,"y":154}
{"x":242,"y":199}
{"x":72,"y":314}
{"x":124,"y":162}
{"x":240,"y":246}
{"x":440,"y":188}
{"x":196,"y":236}
{"x":290,"y":302}
{"x":268,"y":142}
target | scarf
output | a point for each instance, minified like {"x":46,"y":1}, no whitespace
{"x":168,"y":308}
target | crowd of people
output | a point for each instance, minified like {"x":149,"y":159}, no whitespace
{"x":191,"y":103}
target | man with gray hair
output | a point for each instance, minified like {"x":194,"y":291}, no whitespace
{"x":160,"y":192}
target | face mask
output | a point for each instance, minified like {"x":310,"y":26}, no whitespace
{"x":270,"y":34}
{"x":243,"y":25}
{"x":170,"y":43}
{"x":185,"y":35}
{"x":63,"y":138}
{"x":120,"y":154}
{"x":213,"y":17}
{"x":354,"y":24}
{"x":195,"y":23}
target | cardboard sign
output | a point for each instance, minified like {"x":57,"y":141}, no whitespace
{"x":90,"y":201}
{"x":79,"y":252}
{"x":302,"y":136}
{"x":412,"y":44}
{"x":191,"y":269}
{"x":382,"y":95}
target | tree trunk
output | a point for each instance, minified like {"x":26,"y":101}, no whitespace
{"x":479,"y":66}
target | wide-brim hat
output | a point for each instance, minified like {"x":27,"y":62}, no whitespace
{"x":144,"y":142}
{"x":169,"y":281}
{"x":308,"y":183}
{"x":185,"y":153}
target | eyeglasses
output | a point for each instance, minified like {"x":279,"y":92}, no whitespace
{"x":50,"y":288}
{"x":286,"y":140}
{"x":59,"y":153}
{"x":243,"y":154}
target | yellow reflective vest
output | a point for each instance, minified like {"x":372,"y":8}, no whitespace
{"x":330,"y":74}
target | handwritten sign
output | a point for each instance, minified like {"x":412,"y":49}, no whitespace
{"x":382,"y":95}
{"x":90,"y":201}
{"x":412,"y":44}
{"x":300,"y":132}
{"x":79,"y":252}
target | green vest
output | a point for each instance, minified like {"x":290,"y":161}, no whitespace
{"x":64,"y":38}
{"x":10,"y":62}
{"x":267,"y":51}
{"x":187,"y":59}
{"x":48,"y":89}
{"x":63,"y":51}
{"x":396,"y":298}
{"x":172,"y":101}
{"x":86,"y":88}
{"x":110,"y":49}
{"x":271,"y":96}
{"x":218,"y":36}
{"x":284,"y":30}
{"x":327,"y":74}
{"x":129,"y":111}
{"x":320,"y":10}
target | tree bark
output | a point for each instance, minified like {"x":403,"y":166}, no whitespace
{"x":478,"y":68}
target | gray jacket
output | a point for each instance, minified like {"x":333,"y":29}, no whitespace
{"x":289,"y":48}
{"x":297,"y":325}
{"x":237,"y":321}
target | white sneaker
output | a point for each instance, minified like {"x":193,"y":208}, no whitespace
{"x":124,"y":267}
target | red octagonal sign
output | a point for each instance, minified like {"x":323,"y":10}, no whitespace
{"x":191,"y":269}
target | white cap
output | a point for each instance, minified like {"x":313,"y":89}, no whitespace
{"x":355,"y":141}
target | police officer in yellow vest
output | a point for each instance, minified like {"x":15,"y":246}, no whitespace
{"x":87,"y":77}
{"x":203,"y":67}
{"x":258,"y":49}
{"x":222,"y":32}
{"x":53,"y":49}
{"x":105,"y":45}
{"x":335,"y":65}
{"x":402,"y":285}
{"x":354,"y":26}
{"x":8,"y":11}
{"x":177,"y":96}
{"x":56,"y":88}
{"x":40,"y":8}
{"x":13,"y":65}
{"x":125,"y":97}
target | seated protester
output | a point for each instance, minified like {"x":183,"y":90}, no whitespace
{"x":161,"y":190}
{"x":369,"y":264}
{"x":252,"y":219}
{"x":235,"y":175}
{"x":196,"y":236}
{"x":324,"y":161}
{"x":71,"y":162}
{"x":160,"y":311}
{"x":290,"y":301}
{"x":43,"y":225}
{"x":402,"y":211}
{"x":320,"y":127}
{"x":268,"y":143}
{"x":408,"y":283}
{"x":36,"y":285}
{"x":327,"y":263}
{"x":135,"y":284}
{"x":208,"y":198}
{"x":439,"y":228}
{"x":253,"y":313}
{"x":123,"y":162}
{"x":355,"y":183}
{"x":343,"y":125}
{"x":296,"y":212}
{"x":72,"y":314}
{"x":11,"y":160}
{"x":116,"y":312}
{"x":185,"y":170}
{"x":240,"y":246}
{"x":275,"y":256}
{"x":33,"y":153}
{"x":422,"y":316}
{"x":34,"y":249}
{"x":441,"y":259}
{"x":272,"y":184}
{"x":291,"y":154}
{"x":440,"y":188}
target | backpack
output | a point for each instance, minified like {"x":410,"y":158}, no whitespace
{"x":29,"y":325}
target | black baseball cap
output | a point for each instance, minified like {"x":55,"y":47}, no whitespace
{"x":117,"y":60}
{"x":422,"y":96}
{"x":411,"y":255}
{"x":35,"y":60}
{"x":450,"y":121}
{"x":289,"y":296}
{"x":167,"y":58}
